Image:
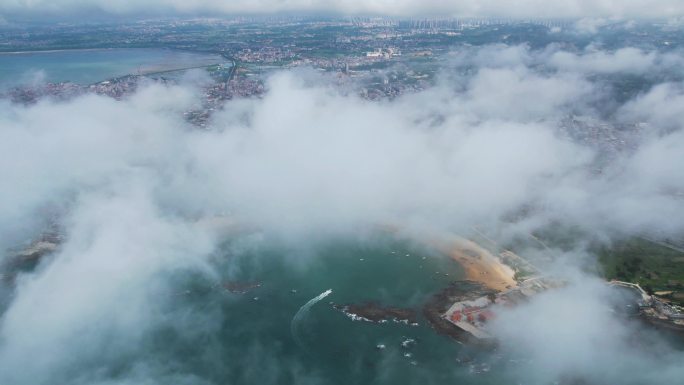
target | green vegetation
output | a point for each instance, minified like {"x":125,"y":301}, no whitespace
{"x":655,"y":267}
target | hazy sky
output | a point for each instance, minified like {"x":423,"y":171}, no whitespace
{"x":408,"y":8}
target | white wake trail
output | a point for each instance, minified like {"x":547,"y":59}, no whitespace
{"x":303,"y":311}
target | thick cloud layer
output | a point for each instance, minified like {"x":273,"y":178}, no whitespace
{"x":135,"y":184}
{"x":110,"y":280}
{"x":405,"y":8}
{"x":573,"y":334}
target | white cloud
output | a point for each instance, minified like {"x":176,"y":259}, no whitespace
{"x":624,"y":60}
{"x":573,"y":334}
{"x":524,"y":8}
{"x":103,"y":292}
{"x":661,"y":106}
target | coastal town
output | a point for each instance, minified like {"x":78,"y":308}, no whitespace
{"x":375,"y":58}
{"x":470,"y":312}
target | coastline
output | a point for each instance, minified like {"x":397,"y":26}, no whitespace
{"x":479,"y":264}
{"x":58,"y":50}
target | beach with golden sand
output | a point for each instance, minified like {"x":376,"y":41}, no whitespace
{"x":479,"y":264}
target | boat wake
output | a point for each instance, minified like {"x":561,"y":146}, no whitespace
{"x":295,"y":325}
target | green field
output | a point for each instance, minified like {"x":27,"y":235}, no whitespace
{"x":655,"y":267}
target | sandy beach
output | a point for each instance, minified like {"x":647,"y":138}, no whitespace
{"x":479,"y":264}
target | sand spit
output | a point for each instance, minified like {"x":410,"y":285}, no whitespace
{"x":479,"y":264}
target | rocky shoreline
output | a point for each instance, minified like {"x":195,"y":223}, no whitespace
{"x":376,"y":313}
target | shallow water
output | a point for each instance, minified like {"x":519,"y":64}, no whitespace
{"x":90,"y":66}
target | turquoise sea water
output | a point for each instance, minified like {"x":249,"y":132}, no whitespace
{"x":251,"y":337}
{"x":205,"y":331}
{"x":255,"y":338}
{"x":90,"y":66}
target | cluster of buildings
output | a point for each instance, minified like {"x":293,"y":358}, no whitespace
{"x":384,"y":53}
{"x":217,"y":93}
{"x":114,"y":88}
{"x":656,"y":310}
{"x":663,"y":314}
{"x":611,"y":139}
{"x":390,"y":90}
{"x":29,"y":95}
{"x":265,"y":54}
{"x":472,"y":315}
{"x":246,"y":79}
